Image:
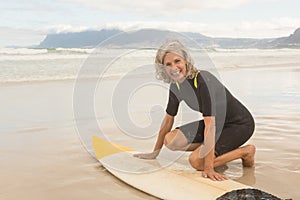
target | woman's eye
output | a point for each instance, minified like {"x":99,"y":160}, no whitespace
{"x":178,"y":60}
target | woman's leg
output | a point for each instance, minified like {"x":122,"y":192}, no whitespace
{"x":228,"y":147}
{"x":176,"y":140}
{"x":246,"y":153}
{"x":187,"y":137}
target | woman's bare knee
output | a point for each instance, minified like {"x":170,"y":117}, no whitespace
{"x":175,"y":140}
{"x":196,"y":162}
{"x":170,"y":143}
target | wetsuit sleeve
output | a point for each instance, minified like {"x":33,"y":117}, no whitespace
{"x":208,"y":97}
{"x":173,"y":103}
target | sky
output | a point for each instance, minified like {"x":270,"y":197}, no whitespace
{"x":25,"y":23}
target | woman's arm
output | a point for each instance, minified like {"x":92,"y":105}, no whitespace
{"x":208,"y":151}
{"x":165,"y":127}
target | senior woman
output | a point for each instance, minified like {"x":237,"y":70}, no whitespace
{"x":226,"y":125}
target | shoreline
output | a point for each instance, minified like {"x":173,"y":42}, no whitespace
{"x":115,"y":76}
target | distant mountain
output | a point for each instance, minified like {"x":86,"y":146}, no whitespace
{"x":293,"y":41}
{"x":142,"y":38}
{"x":151,"y":38}
{"x":77,"y":40}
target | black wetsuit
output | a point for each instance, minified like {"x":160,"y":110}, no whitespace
{"x":206,"y":94}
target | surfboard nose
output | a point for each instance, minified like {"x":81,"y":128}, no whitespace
{"x":103,"y":148}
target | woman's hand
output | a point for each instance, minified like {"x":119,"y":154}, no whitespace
{"x":213,"y":175}
{"x":151,"y":155}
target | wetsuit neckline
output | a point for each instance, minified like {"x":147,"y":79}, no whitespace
{"x":187,"y":79}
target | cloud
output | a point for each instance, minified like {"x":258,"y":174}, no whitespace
{"x":277,"y":27}
{"x":159,"y":7}
{"x":65,"y":28}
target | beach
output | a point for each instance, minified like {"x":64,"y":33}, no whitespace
{"x":43,"y":152}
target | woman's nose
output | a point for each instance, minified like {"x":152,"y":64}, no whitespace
{"x":173,"y":66}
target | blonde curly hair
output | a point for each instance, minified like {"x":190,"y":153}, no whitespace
{"x":173,"y":46}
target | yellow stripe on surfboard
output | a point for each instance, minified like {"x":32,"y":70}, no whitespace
{"x":104,"y":148}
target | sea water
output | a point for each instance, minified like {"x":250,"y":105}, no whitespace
{"x":29,"y":65}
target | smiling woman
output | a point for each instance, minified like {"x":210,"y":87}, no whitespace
{"x":227,"y":123}
{"x":175,"y":67}
{"x":177,"y":60}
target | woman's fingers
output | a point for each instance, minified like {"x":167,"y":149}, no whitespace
{"x":137,"y":155}
{"x":152,"y":155}
{"x":214,"y":176}
{"x":140,"y":155}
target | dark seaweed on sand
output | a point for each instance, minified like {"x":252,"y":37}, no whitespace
{"x":248,"y":194}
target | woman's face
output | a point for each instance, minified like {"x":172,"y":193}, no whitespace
{"x":175,"y":67}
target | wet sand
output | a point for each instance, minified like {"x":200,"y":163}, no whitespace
{"x":42,"y":155}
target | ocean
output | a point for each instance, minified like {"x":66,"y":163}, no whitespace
{"x":30,"y":65}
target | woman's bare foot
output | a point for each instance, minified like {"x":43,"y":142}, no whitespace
{"x":248,"y":155}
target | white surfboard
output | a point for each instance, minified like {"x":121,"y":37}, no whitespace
{"x":173,"y":182}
